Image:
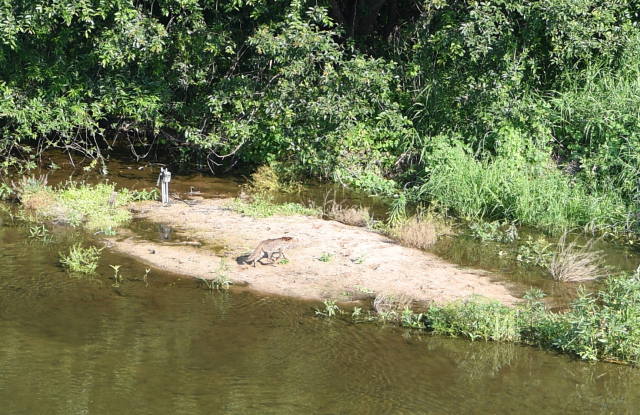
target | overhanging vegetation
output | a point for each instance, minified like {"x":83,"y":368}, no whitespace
{"x":520,"y":110}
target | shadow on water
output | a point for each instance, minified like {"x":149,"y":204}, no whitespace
{"x":81,"y":345}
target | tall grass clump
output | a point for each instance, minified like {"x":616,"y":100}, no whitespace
{"x":418,"y":231}
{"x":595,"y":114}
{"x":352,"y":215}
{"x":518,"y":183}
{"x":415,"y":232}
{"x":571,"y":262}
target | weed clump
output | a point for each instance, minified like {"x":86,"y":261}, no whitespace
{"x":82,"y":260}
{"x":573,"y":263}
{"x":330,"y":309}
{"x":476,"y":318}
{"x":269,"y":179}
{"x":390,"y":308}
{"x":220,"y":280}
{"x":34,"y":194}
{"x":97,"y":206}
{"x":353,"y":215}
{"x":597,"y":326}
{"x":415,"y":233}
{"x":493,"y":231}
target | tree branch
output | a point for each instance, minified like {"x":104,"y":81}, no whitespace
{"x":336,"y":14}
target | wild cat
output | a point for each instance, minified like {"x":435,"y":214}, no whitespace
{"x":268,"y":248}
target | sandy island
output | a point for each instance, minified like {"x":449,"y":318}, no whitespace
{"x":363,"y":263}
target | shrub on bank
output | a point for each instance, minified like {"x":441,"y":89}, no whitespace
{"x":597,"y":326}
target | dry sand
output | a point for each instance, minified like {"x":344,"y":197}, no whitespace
{"x":208,"y":232}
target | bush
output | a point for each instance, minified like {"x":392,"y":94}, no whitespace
{"x":597,"y":326}
{"x":605,"y":325}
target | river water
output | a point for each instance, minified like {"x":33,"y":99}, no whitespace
{"x":80,"y":345}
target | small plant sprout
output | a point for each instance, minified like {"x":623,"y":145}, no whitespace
{"x":117,"y":277}
{"x":325,"y":257}
{"x":330,"y":309}
{"x":357,"y":312}
{"x":283,"y":261}
{"x":40,"y":233}
{"x":360,"y":259}
{"x":146,"y":274}
{"x":220,"y":280}
{"x":364,"y":290}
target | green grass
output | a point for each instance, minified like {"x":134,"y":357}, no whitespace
{"x":98,"y":207}
{"x":261,"y":206}
{"x":597,"y":326}
{"x":511,"y":187}
{"x":82,"y":260}
{"x":90,"y":204}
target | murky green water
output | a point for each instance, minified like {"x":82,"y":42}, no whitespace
{"x":73,"y":345}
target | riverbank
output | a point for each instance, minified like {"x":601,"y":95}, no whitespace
{"x":361,"y":263}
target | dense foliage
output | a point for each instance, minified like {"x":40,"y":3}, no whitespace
{"x":598,"y":326}
{"x":524,"y":110}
